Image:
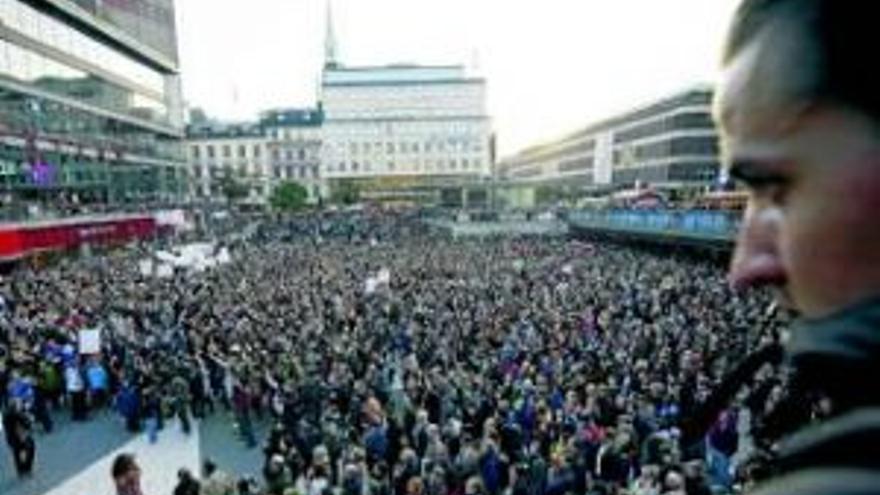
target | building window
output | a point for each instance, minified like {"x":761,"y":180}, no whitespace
{"x":302,"y":154}
{"x":465,"y":163}
{"x":342,"y":166}
{"x":195,"y":151}
{"x":242,"y":151}
{"x":256,"y":151}
{"x":353,"y":147}
{"x":403,"y":147}
{"x":276,"y":155}
{"x":288,"y":154}
{"x":427,"y":147}
{"x":354,"y":166}
{"x":210,"y":150}
{"x":367,"y":147}
{"x":227,"y":152}
{"x":389,"y":148}
{"x":391,"y":166}
{"x":302,"y":172}
{"x":276,"y":172}
{"x":415,"y":147}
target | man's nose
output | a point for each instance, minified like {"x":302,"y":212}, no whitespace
{"x":756,"y":260}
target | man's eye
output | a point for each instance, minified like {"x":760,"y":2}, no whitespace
{"x":774,"y":191}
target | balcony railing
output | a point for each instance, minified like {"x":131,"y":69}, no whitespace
{"x":709,"y":225}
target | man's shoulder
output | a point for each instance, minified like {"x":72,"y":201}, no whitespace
{"x":851,"y":440}
{"x":840,"y":456}
{"x":831,"y":481}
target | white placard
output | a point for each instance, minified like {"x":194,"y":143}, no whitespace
{"x":90,"y":341}
{"x":146,"y":267}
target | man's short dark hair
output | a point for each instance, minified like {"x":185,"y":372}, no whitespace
{"x":122,"y":465}
{"x":839,"y":37}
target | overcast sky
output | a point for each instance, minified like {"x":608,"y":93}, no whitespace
{"x":552,"y":65}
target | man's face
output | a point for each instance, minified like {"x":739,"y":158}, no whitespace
{"x":129,"y":483}
{"x":813,"y":173}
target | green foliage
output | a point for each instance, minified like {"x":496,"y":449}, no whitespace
{"x":289,"y":196}
{"x":345,"y":192}
{"x":233,"y":190}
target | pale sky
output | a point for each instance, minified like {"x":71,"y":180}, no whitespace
{"x":552,"y":66}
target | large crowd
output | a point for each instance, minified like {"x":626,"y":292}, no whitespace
{"x":391,"y":360}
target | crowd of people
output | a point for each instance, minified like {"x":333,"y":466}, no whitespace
{"x":391,"y":360}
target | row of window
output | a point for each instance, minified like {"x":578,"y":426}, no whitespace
{"x":56,"y":34}
{"x":58,"y":78}
{"x":691,"y":145}
{"x":60,"y":123}
{"x":585,"y":146}
{"x":703,"y":171}
{"x":460,"y":144}
{"x":677,"y":122}
{"x":302,"y":172}
{"x":226,"y":151}
{"x":241,"y":151}
{"x":452,"y":165}
{"x":584,"y":163}
{"x":292,"y":135}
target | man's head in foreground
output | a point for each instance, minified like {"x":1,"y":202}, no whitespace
{"x":799,"y":111}
{"x":126,"y":475}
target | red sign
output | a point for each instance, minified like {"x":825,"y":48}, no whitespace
{"x":17,"y":241}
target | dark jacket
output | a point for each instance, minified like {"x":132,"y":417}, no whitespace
{"x":836,"y":358}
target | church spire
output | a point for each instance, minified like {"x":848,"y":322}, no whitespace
{"x":330,"y":56}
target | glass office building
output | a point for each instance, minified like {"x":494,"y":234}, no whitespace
{"x":90,"y":102}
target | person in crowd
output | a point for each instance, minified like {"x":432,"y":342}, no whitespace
{"x":187,"y":484}
{"x":19,"y":437}
{"x":216,"y":481}
{"x":126,"y":475}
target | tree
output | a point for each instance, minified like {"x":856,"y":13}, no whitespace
{"x":345,"y":192}
{"x":232,"y":189}
{"x":289,"y":196}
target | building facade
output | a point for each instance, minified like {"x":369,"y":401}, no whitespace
{"x":404,"y":127}
{"x":225,"y":156}
{"x":294,"y":145}
{"x":670,"y":143}
{"x":90,"y":102}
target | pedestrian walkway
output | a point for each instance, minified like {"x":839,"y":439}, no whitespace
{"x":69,"y":449}
{"x":76,"y":458}
{"x":159,"y":464}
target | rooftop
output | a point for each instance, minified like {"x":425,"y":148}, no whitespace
{"x":224,"y":130}
{"x":396,"y":73}
{"x":700,"y":94}
{"x":292,"y":117}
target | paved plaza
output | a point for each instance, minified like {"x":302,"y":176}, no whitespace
{"x":75,"y":459}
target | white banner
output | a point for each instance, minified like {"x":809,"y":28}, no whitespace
{"x":90,"y":341}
